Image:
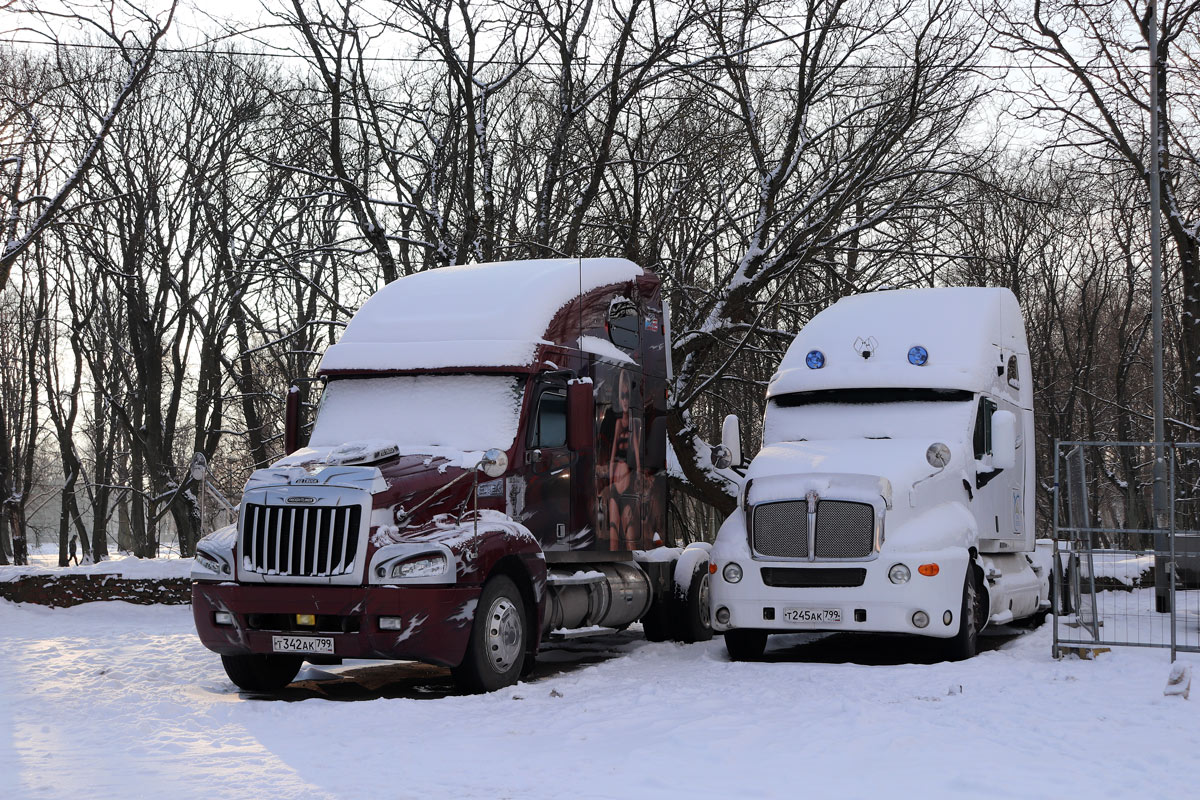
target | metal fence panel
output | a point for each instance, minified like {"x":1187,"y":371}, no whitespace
{"x":1119,"y":580}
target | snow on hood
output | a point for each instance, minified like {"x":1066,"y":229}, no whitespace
{"x":899,"y":462}
{"x":313,"y":459}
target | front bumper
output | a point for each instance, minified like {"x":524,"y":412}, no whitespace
{"x":436,"y":619}
{"x":877,"y":606}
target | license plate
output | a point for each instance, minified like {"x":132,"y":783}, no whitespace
{"x":813,"y":616}
{"x":302,"y":644}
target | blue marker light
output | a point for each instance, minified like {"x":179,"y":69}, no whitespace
{"x":917,"y":356}
{"x":815,"y":359}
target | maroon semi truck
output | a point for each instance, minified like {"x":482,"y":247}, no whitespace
{"x":486,"y":471}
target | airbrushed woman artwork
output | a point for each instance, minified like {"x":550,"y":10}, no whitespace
{"x":621,"y":449}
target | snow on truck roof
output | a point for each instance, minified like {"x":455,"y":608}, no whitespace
{"x":474,"y":315}
{"x":965,"y":332}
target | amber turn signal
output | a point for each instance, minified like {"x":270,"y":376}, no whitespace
{"x":928,"y":570}
{"x":712,"y":568}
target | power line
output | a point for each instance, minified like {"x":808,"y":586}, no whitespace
{"x":204,"y":49}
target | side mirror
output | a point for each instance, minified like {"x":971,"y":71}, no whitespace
{"x":494,"y":463}
{"x":729,"y":452}
{"x":1004,"y":439}
{"x":581,"y":415}
{"x":291,"y":421}
{"x":721,"y":457}
{"x":731,"y":437}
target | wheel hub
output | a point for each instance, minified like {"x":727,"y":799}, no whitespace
{"x":503,"y":637}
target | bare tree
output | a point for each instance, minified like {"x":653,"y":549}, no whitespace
{"x":30,"y":204}
{"x":853,"y":124}
{"x":1102,"y":110}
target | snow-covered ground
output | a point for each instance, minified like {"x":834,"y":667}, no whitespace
{"x":110,"y":700}
{"x":125,"y":566}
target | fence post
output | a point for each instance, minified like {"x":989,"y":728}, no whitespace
{"x":1171,"y":564}
{"x":1056,"y":567}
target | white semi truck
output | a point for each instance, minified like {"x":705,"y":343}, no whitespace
{"x":894,"y":489}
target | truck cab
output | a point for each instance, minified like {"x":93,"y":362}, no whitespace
{"x":486,"y":470}
{"x":894,"y":489}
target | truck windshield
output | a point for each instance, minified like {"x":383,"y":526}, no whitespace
{"x":458,"y":412}
{"x":868,"y":414}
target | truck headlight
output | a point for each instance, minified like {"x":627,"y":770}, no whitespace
{"x":211,"y":563}
{"x":424,"y":566}
{"x":732,"y":572}
{"x":899,"y":574}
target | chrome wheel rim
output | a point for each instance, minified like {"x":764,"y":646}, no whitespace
{"x":503,"y":638}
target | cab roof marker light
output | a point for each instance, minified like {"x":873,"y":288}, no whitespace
{"x":918,"y":356}
{"x":815,"y":359}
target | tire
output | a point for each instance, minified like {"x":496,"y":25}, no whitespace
{"x":496,"y":651}
{"x":261,"y":673}
{"x":693,"y":621}
{"x":745,"y":645}
{"x":965,"y":643}
{"x":656,"y":624}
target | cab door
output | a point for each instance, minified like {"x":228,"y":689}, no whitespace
{"x":548,"y":468}
{"x":998,"y":498}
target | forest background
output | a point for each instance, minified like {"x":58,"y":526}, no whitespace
{"x":192,"y":211}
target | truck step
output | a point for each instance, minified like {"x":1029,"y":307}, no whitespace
{"x":578,"y":633}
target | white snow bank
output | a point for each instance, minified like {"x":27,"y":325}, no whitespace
{"x":110,"y":700}
{"x":1126,"y":569}
{"x":472,"y":315}
{"x":123,"y":566}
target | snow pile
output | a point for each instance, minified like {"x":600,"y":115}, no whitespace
{"x":465,"y":413}
{"x":114,"y":701}
{"x":605,"y":349}
{"x":475,"y":315}
{"x":122,"y":566}
{"x":961,"y":329}
{"x":1124,"y":569}
{"x":931,"y":420}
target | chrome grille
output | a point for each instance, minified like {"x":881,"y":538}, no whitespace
{"x":844,"y":529}
{"x":311,"y":542}
{"x":781,"y":529}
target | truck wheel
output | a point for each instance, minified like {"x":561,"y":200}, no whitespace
{"x":261,"y":673}
{"x":965,"y":643}
{"x":745,"y":645}
{"x":496,"y":650}
{"x":656,"y":623}
{"x":693,"y":621}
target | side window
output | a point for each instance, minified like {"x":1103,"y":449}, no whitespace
{"x":983,"y":427}
{"x":550,"y":425}
{"x":622,"y":324}
{"x":1014,"y":379}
